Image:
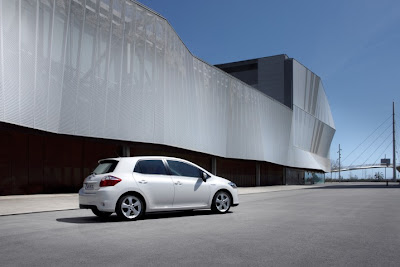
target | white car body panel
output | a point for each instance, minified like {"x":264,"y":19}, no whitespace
{"x":190,"y":192}
{"x":160,"y":192}
{"x":159,"y":189}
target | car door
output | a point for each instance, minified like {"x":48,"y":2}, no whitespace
{"x":155,"y":183}
{"x":190,"y":189}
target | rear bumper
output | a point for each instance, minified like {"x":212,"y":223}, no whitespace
{"x":103,"y":200}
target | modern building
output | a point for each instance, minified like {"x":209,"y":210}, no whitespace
{"x":289,"y":82}
{"x":82,"y":80}
{"x":271,"y":75}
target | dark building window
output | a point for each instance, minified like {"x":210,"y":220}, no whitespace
{"x":247,"y":73}
{"x":271,"y":75}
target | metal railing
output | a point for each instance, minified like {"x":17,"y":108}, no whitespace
{"x":361,"y":167}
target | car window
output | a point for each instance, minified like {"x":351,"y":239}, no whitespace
{"x":184,"y":169}
{"x":105,"y":166}
{"x":150,"y":167}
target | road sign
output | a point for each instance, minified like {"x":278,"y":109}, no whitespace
{"x":385,"y":162}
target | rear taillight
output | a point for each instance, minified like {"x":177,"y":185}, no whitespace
{"x":109,"y":181}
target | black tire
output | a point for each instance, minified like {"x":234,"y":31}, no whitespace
{"x":222,"y":202}
{"x":101,"y":214}
{"x":130,"y":207}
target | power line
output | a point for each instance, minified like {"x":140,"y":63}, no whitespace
{"x":383,"y":152}
{"x":371,"y":144}
{"x":377,"y":148}
{"x":367,"y":138}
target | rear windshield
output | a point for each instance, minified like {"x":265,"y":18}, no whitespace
{"x":105,"y":166}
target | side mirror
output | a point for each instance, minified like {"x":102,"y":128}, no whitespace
{"x":204,"y":177}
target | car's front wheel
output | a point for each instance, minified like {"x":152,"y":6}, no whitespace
{"x":130,"y":207}
{"x":101,"y":214}
{"x":221,"y":202}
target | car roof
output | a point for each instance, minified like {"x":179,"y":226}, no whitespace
{"x":131,"y":160}
{"x":136,"y":158}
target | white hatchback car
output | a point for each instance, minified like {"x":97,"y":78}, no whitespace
{"x":131,"y":186}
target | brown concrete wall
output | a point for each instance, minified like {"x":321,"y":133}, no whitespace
{"x":33,"y":161}
{"x":37,"y":162}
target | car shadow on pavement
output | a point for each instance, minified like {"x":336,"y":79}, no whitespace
{"x":149,"y":216}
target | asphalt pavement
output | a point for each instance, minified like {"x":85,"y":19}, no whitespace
{"x":21,"y":204}
{"x":337,"y":225}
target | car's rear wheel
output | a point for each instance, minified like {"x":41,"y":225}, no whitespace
{"x":130,"y":207}
{"x":221,"y":202}
{"x":101,"y":214}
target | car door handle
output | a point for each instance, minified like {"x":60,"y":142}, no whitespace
{"x":178,"y":183}
{"x":143,"y":182}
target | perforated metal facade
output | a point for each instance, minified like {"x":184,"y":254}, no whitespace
{"x":117,"y":70}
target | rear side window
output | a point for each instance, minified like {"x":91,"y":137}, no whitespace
{"x":105,"y":166}
{"x":184,"y":169}
{"x":150,"y":167}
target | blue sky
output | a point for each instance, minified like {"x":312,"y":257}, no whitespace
{"x":354,"y":46}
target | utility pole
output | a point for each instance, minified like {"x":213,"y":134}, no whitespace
{"x":385,"y":168}
{"x":394,"y":147}
{"x":339,"y":160}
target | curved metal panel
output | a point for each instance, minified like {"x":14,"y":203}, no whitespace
{"x":89,"y":68}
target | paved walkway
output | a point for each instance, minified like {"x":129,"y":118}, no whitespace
{"x":20,"y":204}
{"x":10,"y":205}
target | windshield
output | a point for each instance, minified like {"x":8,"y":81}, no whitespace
{"x":105,"y":166}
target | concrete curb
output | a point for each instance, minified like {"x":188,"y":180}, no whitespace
{"x":276,"y":188}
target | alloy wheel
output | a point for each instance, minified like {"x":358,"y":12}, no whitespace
{"x":131,"y":207}
{"x":222,"y":202}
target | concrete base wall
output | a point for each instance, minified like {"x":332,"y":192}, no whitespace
{"x":33,"y":161}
